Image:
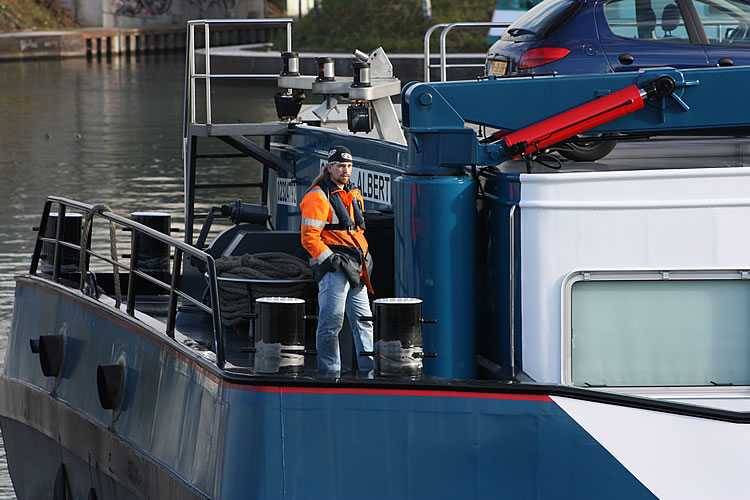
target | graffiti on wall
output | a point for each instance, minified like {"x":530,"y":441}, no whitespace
{"x":204,"y":5}
{"x":141,"y":8}
{"x":149,"y":8}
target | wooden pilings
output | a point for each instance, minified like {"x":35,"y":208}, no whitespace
{"x":107,"y":42}
{"x":98,"y":42}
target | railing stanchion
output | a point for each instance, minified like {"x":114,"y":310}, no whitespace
{"x":40,"y":233}
{"x":213,"y":289}
{"x":427,"y":51}
{"x":140,"y":231}
{"x":193,"y":75}
{"x":446,"y":28}
{"x":512,"y":286}
{"x":191,"y":63}
{"x":134,"y":250}
{"x":57,"y":261}
{"x":208,"y":74}
{"x":175,"y":284}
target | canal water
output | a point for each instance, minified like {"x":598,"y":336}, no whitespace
{"x":101,"y":131}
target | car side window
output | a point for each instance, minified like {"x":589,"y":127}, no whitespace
{"x":653,"y":20}
{"x":726,"y":22}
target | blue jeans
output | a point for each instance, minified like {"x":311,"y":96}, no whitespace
{"x":335,"y":295}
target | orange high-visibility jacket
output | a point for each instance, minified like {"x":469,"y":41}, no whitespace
{"x":323,"y":234}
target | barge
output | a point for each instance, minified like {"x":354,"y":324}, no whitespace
{"x":571,"y":332}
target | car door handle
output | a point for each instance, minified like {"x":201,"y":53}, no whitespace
{"x":725,"y":61}
{"x":626,"y":59}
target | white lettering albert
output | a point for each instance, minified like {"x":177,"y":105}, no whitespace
{"x":373,"y":186}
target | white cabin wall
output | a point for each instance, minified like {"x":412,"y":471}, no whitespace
{"x":650,"y":219}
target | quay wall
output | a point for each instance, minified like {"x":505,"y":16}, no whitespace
{"x":158,"y":13}
{"x":97,"y":42}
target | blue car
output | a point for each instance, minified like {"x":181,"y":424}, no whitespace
{"x":599,"y":36}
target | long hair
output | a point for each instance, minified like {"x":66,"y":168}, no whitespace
{"x":324,"y":174}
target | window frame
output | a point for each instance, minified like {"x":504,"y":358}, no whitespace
{"x":695,"y":31}
{"x":631,"y":275}
{"x":693,"y":12}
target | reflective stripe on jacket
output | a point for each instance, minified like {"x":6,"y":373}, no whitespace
{"x":323,"y":233}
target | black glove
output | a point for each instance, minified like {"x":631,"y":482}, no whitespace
{"x":335,"y":262}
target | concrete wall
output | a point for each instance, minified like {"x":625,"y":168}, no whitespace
{"x":293,"y":7}
{"x":158,"y":13}
{"x":47,"y":44}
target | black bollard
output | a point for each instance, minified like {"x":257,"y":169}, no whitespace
{"x":280,"y":335}
{"x":398,"y":337}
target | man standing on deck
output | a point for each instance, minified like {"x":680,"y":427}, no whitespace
{"x":333,"y":233}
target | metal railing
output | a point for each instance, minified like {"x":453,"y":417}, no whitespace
{"x":192,"y":76}
{"x":177,"y":248}
{"x":443,"y":65}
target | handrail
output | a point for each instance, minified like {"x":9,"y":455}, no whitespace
{"x":512,"y":287}
{"x":191,"y":76}
{"x":447,"y":28}
{"x":173,"y":288}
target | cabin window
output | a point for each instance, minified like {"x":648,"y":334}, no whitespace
{"x":665,"y":330}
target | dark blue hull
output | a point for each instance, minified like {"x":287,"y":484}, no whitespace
{"x":189,"y":431}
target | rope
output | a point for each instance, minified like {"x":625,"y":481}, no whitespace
{"x":260,"y":266}
{"x":85,"y":229}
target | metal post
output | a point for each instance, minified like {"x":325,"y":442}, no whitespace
{"x":443,"y":55}
{"x":40,"y":233}
{"x":264,"y":181}
{"x":512,"y":284}
{"x":208,"y":76}
{"x":172,"y":308}
{"x":134,"y":250}
{"x":427,"y":36}
{"x":191,"y":153}
{"x":58,"y":248}
{"x":427,"y":9}
{"x":216,"y":311}
{"x":191,"y":63}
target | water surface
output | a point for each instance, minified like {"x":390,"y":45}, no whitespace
{"x":100,"y":131}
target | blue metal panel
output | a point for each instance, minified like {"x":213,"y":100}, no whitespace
{"x":253,"y":458}
{"x":513,"y":103}
{"x":434,"y":114}
{"x":500,"y":193}
{"x":435,"y":261}
{"x":346,"y":444}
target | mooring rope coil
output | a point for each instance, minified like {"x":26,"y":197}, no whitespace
{"x":85,"y":230}
{"x":270,"y":266}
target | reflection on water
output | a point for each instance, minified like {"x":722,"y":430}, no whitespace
{"x":101,"y":132}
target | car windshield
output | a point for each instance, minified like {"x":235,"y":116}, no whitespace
{"x":541,"y":20}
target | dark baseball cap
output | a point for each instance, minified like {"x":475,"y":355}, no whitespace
{"x":340,"y":154}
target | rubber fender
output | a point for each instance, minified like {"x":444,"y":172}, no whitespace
{"x":110,"y":383}
{"x":50,"y":349}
